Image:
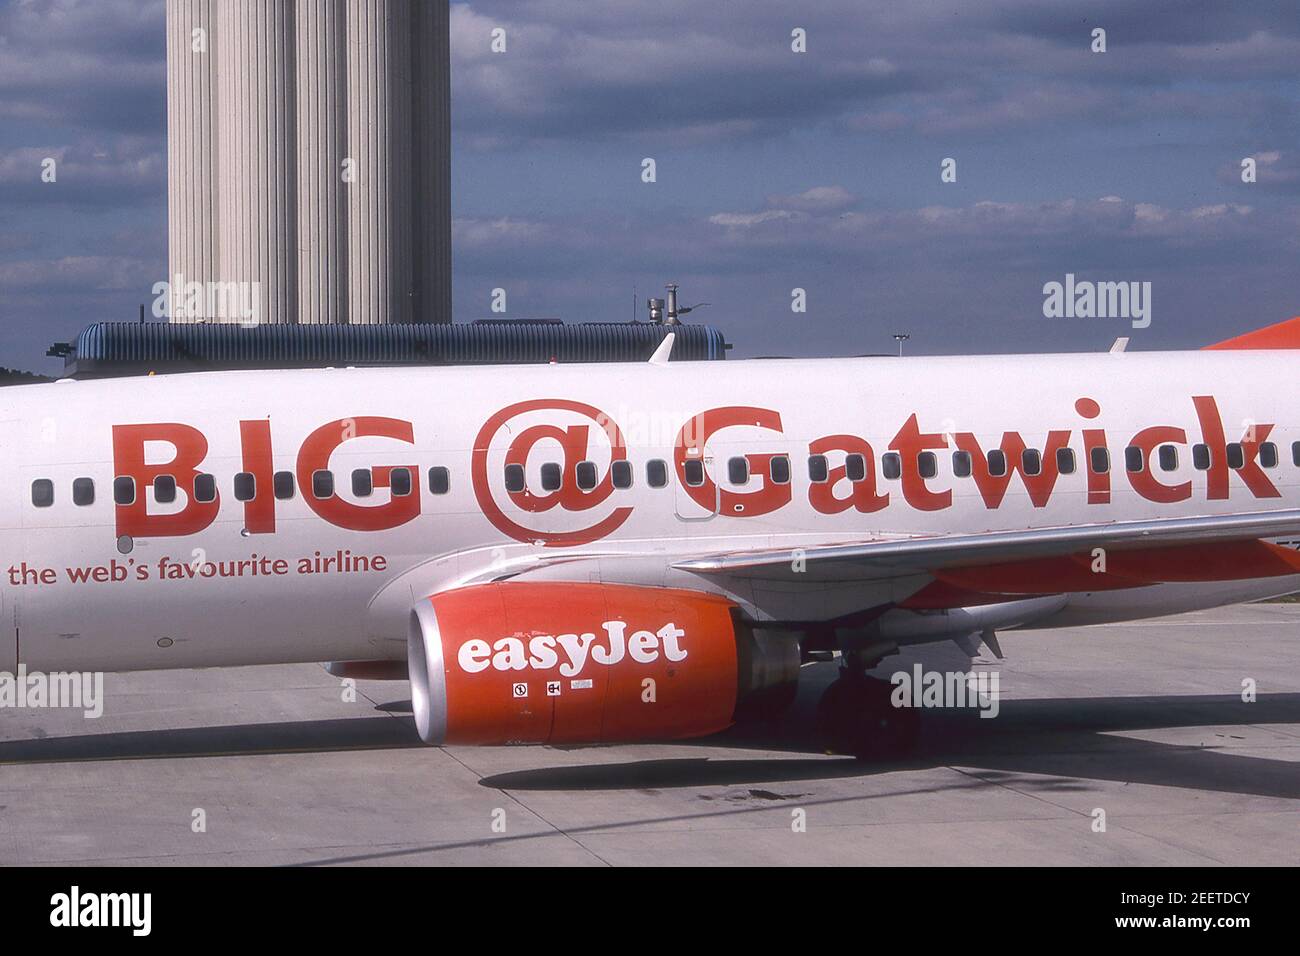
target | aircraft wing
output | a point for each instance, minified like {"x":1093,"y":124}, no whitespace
{"x":1212,"y":547}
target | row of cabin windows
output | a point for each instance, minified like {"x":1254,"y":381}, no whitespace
{"x":855,"y":466}
{"x":1031,"y":462}
{"x":401,"y":482}
{"x":585,"y":475}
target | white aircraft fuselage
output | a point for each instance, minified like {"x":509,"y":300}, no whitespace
{"x":307,"y":575}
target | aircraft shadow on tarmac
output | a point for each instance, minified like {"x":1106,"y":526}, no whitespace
{"x":1035,"y":744}
{"x":1042,"y":745}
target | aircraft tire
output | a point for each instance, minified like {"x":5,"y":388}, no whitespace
{"x":855,"y":716}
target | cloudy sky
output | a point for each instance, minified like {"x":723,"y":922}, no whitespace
{"x":776,"y":170}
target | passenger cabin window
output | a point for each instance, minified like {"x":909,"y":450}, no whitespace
{"x":1099,"y":460}
{"x":620,"y":473}
{"x":1168,"y":455}
{"x":586,"y":476}
{"x":738,"y":471}
{"x":778,"y":469}
{"x":1031,"y":461}
{"x":205,"y":488}
{"x":514,"y":478}
{"x":322,"y":484}
{"x":164,"y":489}
{"x":1295,"y":453}
{"x":1268,"y":454}
{"x":1065,"y":461}
{"x":245,"y":486}
{"x":891,"y":464}
{"x":282,"y":483}
{"x":440,"y":479}
{"x":1201,"y":457}
{"x":551,"y":476}
{"x":1133,"y":458}
{"x":656,"y":473}
{"x":363,"y":482}
{"x":124,"y":490}
{"x":927,"y":464}
{"x":42,"y":492}
{"x":961,"y":464}
{"x":83,"y":491}
{"x":817,"y":469}
{"x":693,"y":468}
{"x":400,"y":482}
{"x":997,"y":459}
{"x":855,"y":467}
{"x":1236,"y":455}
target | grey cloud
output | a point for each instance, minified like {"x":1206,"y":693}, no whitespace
{"x":76,"y":275}
{"x":1151,"y":21}
{"x":568,"y":69}
{"x":1060,"y":234}
{"x":816,"y":198}
{"x":92,"y":63}
{"x":116,"y":170}
{"x":1275,"y":171}
{"x":625,"y":69}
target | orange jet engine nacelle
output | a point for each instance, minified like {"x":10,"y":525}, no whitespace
{"x":587,"y":663}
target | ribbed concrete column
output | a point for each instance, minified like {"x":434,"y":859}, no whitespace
{"x":191,"y":143}
{"x":379,"y":143}
{"x":258,"y":221}
{"x":431,"y":173}
{"x":322,"y":145}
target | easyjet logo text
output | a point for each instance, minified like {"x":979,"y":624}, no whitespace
{"x":571,"y":652}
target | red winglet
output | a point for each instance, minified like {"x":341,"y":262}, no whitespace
{"x":1283,"y":335}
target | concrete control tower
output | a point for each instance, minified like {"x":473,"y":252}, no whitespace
{"x":309,"y":159}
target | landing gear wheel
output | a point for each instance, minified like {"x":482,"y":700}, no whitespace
{"x":855,"y":716}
